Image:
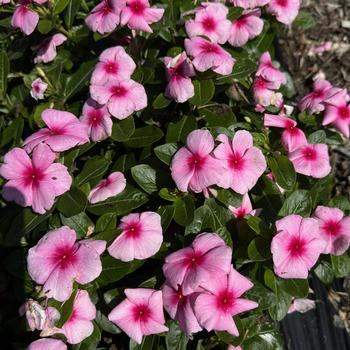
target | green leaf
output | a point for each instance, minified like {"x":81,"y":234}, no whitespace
{"x":175,"y":338}
{"x":80,"y":223}
{"x":144,"y":136}
{"x":318,"y":136}
{"x":105,"y":324}
{"x":66,"y":309}
{"x":105,"y":222}
{"x":165,"y":152}
{"x":242,"y":69}
{"x":166,"y":213}
{"x":93,"y":170}
{"x":123,"y":129}
{"x":124,"y":162}
{"x":123,"y":203}
{"x":258,"y":226}
{"x":259,"y":249}
{"x":167,"y":195}
{"x":298,"y":202}
{"x":71,"y":12}
{"x":234,"y":13}
{"x":340,"y":202}
{"x":44,"y":26}
{"x":203,"y":220}
{"x":145,"y":177}
{"x":113,"y":270}
{"x":78,"y":79}
{"x":297,"y":288}
{"x":324,"y":272}
{"x":184,"y":210}
{"x":304,"y":20}
{"x":283,"y":171}
{"x":4,"y":71}
{"x":161,"y":102}
{"x":178,"y":131}
{"x":72,"y":203}
{"x":341,"y":265}
{"x":219,"y":116}
{"x":59,"y":6}
{"x":204,"y":91}
{"x":229,"y":197}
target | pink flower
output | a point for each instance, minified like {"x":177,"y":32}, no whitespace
{"x":245,"y":208}
{"x":34,"y":182}
{"x":58,"y":260}
{"x":181,"y":308}
{"x":222,"y":301}
{"x":24,"y":18}
{"x":338,"y":116}
{"x":250,"y":4}
{"x":97,"y":120}
{"x":284,"y":10}
{"x":79,"y":325}
{"x":38,"y":89}
{"x":292,"y":137}
{"x":179,"y":70}
{"x":207,"y":55}
{"x":114,"y":64}
{"x":4,"y":2}
{"x":302,"y":305}
{"x":269,"y":72}
{"x":192,"y":166}
{"x":110,"y":187}
{"x":105,"y":17}
{"x":334,"y":229}
{"x":141,"y":237}
{"x":47,"y":344}
{"x":264,"y":94}
{"x":311,"y":160}
{"x":243,"y":162}
{"x":38,"y":317}
{"x":191,"y":266}
{"x":323,"y":93}
{"x":46,"y":51}
{"x":138,"y":15}
{"x":141,"y":313}
{"x":246,"y":27}
{"x":64,"y":131}
{"x":122,"y":97}
{"x":231,"y":347}
{"x":296,"y":246}
{"x":210,"y":21}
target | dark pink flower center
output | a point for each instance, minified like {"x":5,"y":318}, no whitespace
{"x":196,"y":161}
{"x":210,"y":48}
{"x":133,"y":229}
{"x":241,"y":213}
{"x":106,"y":9}
{"x":332,"y":227}
{"x":36,"y":88}
{"x":225,"y":301}
{"x":309,"y":153}
{"x":64,"y":256}
{"x":193,"y":260}
{"x":119,"y":90}
{"x":236,"y":162}
{"x":240,"y":22}
{"x":137,"y":7}
{"x":209,"y":24}
{"x":296,"y":247}
{"x":282,"y":3}
{"x":260,"y":83}
{"x":95,"y":117}
{"x":344,"y":112}
{"x":289,"y":125}
{"x":111,"y":67}
{"x":33,"y":176}
{"x":141,"y":313}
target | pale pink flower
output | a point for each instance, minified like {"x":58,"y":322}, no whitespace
{"x":114,"y":64}
{"x":231,"y":347}
{"x":46,"y":51}
{"x":4,"y":2}
{"x":38,"y":317}
{"x":265,"y":95}
{"x":181,"y":308}
{"x":34,"y":182}
{"x":296,"y":247}
{"x":38,"y":89}
{"x":141,"y":313}
{"x":292,"y":137}
{"x":216,"y":307}
{"x":301,"y":305}
{"x":320,"y":49}
{"x":141,"y":237}
{"x":334,"y":229}
{"x":193,"y":167}
{"x":79,"y":325}
{"x":191,"y":266}
{"x":311,"y":160}
{"x":47,"y":344}
{"x":207,"y":55}
{"x":24,"y":18}
{"x":338,"y":116}
{"x":269,"y":72}
{"x":97,"y":120}
{"x":284,"y":10}
{"x":249,"y":4}
{"x":243,"y":162}
{"x":58,"y":260}
{"x":210,"y":21}
{"x":244,"y":209}
{"x":138,"y":15}
{"x":64,"y":131}
{"x":105,"y":17}
{"x":110,"y":187}
{"x":121,"y":97}
{"x":246,"y":27}
{"x":179,"y":70}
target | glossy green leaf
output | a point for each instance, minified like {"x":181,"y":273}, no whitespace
{"x":178,"y":131}
{"x":4,"y":71}
{"x":144,"y":136}
{"x":145,"y":176}
{"x":204,"y":91}
{"x":72,"y":203}
{"x":80,"y":223}
{"x":298,"y":202}
{"x":123,"y":129}
{"x":165,"y":152}
{"x":283,"y":171}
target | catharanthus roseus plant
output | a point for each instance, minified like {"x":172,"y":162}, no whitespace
{"x":162,"y":187}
